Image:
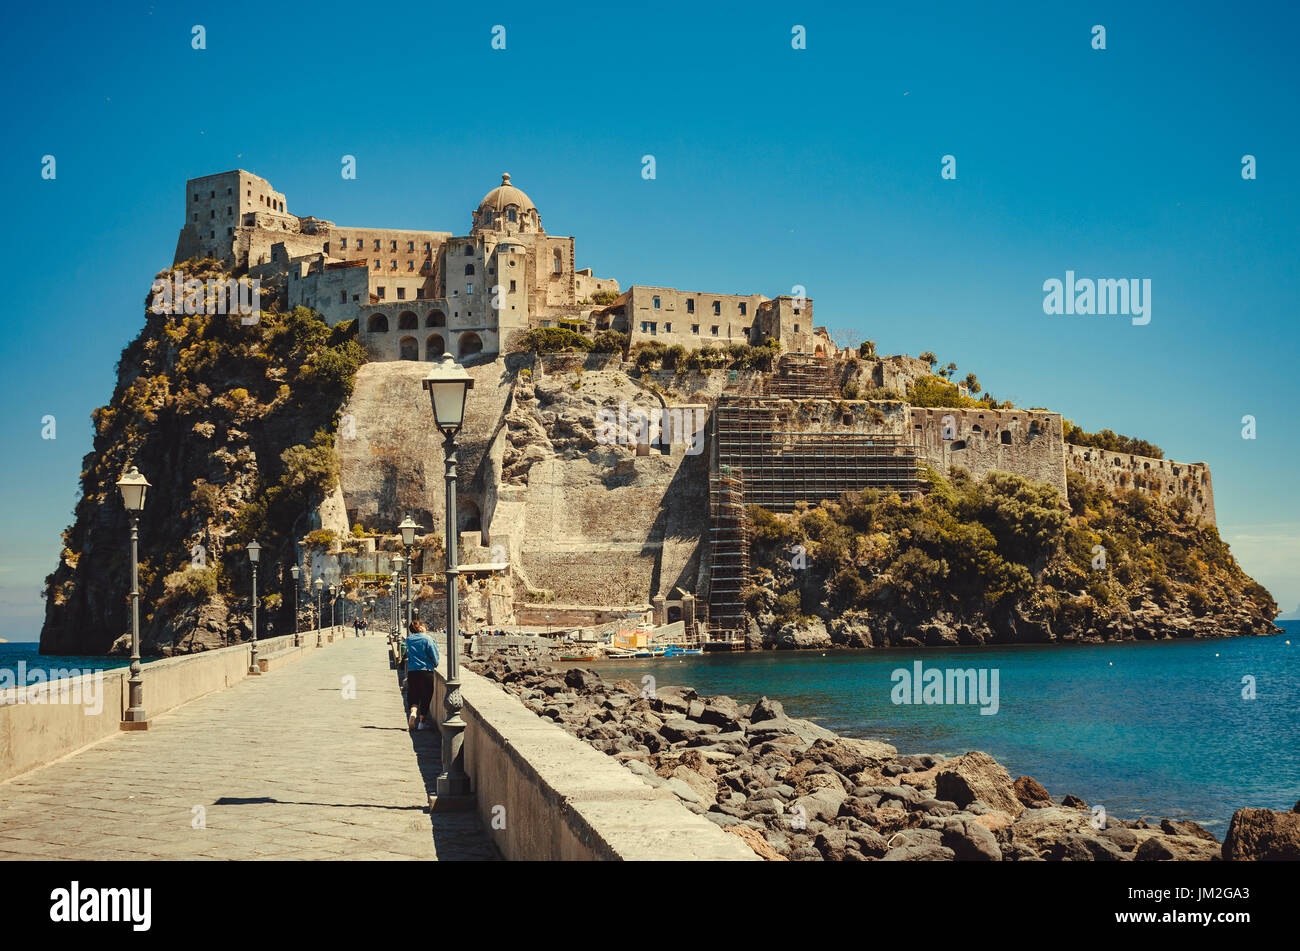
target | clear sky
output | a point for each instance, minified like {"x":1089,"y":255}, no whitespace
{"x":775,"y":167}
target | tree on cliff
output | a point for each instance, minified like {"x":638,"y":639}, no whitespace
{"x":233,"y":423}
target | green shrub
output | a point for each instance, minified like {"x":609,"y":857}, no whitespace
{"x":553,"y":340}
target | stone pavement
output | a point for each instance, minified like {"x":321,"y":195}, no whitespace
{"x":283,"y":766}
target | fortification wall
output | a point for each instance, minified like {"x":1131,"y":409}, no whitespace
{"x":1161,"y":477}
{"x":1029,"y":443}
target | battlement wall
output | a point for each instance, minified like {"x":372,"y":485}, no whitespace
{"x":1161,"y":477}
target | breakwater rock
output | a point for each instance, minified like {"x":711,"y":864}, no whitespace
{"x":793,"y":790}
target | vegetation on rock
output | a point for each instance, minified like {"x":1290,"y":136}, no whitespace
{"x":233,"y":424}
{"x":1000,"y":559}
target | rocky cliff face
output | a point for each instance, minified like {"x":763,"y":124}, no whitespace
{"x":232,"y":424}
{"x":993,"y":563}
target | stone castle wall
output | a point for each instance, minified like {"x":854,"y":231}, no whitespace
{"x":1161,"y":477}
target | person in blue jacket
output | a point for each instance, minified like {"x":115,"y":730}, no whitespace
{"x":421,"y":661}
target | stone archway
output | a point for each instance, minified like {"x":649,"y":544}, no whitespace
{"x":434,"y":347}
{"x":470,"y":344}
{"x":377,"y":324}
{"x":408,"y":349}
{"x":407,"y":321}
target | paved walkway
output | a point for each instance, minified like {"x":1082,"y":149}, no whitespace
{"x":283,"y":767}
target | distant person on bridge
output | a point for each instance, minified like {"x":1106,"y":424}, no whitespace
{"x":421,"y":661}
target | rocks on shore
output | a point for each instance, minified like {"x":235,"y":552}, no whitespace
{"x":793,"y":790}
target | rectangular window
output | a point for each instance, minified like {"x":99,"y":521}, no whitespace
{"x":695,"y":328}
{"x":376,"y":244}
{"x":656,"y":303}
{"x":512,"y":287}
{"x":345,"y":242}
{"x":469,"y":288}
{"x":229,"y":211}
{"x":401,"y":293}
{"x":410,"y":265}
{"x":717,"y":307}
{"x":796,"y":328}
{"x":427,"y":246}
{"x":715,"y":330}
{"x":668,"y":328}
{"x":343,"y":297}
{"x":376,"y":264}
{"x":690,"y":305}
{"x":381,"y":293}
{"x":392,"y":246}
{"x":410,"y":245}
{"x":742,"y":308}
{"x":469,"y":249}
{"x":393,"y":264}
{"x":419,"y":293}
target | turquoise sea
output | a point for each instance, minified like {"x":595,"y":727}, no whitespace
{"x":1146,"y":729}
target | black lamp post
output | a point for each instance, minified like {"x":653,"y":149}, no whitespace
{"x":334,"y":598}
{"x":407,"y":528}
{"x":320,"y":584}
{"x":133,"y":487}
{"x":295,"y":572}
{"x":448,"y":384}
{"x":254,"y":553}
{"x":398,"y":561}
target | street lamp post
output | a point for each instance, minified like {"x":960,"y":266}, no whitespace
{"x":448,"y":384}
{"x":320,"y":585}
{"x":398,"y":560}
{"x":254,"y":552}
{"x":392,"y":605}
{"x":334,"y":598}
{"x":297,"y":638}
{"x":133,"y":487}
{"x":407,"y":528}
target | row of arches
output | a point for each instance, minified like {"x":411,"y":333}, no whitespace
{"x":406,"y":320}
{"x":408,"y":348}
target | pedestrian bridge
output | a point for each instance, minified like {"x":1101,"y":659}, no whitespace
{"x":312,"y":760}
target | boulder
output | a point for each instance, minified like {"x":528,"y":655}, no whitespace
{"x":977,"y":776}
{"x":1262,"y":834}
{"x":1177,"y":848}
{"x":1186,"y":827}
{"x":1031,"y":793}
{"x":753,"y":839}
{"x":970,"y":840}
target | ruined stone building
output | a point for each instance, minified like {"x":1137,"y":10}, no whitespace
{"x":416,"y":294}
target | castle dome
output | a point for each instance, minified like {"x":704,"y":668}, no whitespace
{"x":506,"y":194}
{"x":505,"y":209}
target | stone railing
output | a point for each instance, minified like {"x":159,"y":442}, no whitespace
{"x":52,"y":719}
{"x":544,"y":795}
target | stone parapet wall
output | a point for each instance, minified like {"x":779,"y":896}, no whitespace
{"x":562,"y":800}
{"x":1161,"y":477}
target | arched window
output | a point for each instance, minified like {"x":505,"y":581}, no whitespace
{"x":469,"y":269}
{"x":470,"y":343}
{"x":512,"y":214}
{"x":408,"y":349}
{"x":434,"y":347}
{"x":436,"y":318}
{"x":407,"y":321}
{"x":1006,"y":437}
{"x":377,"y":324}
{"x":959,"y":444}
{"x":559,"y":266}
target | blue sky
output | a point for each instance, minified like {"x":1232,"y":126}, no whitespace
{"x":775,"y":167}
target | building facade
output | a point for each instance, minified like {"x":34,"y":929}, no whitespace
{"x":418,"y":294}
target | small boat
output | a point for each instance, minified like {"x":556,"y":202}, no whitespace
{"x":650,"y":652}
{"x":675,"y":651}
{"x":619,"y":653}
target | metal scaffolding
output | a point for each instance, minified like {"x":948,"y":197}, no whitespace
{"x":729,"y":566}
{"x":783,"y":466}
{"x":802,"y":375}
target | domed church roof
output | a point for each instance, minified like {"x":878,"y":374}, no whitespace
{"x":506,"y":194}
